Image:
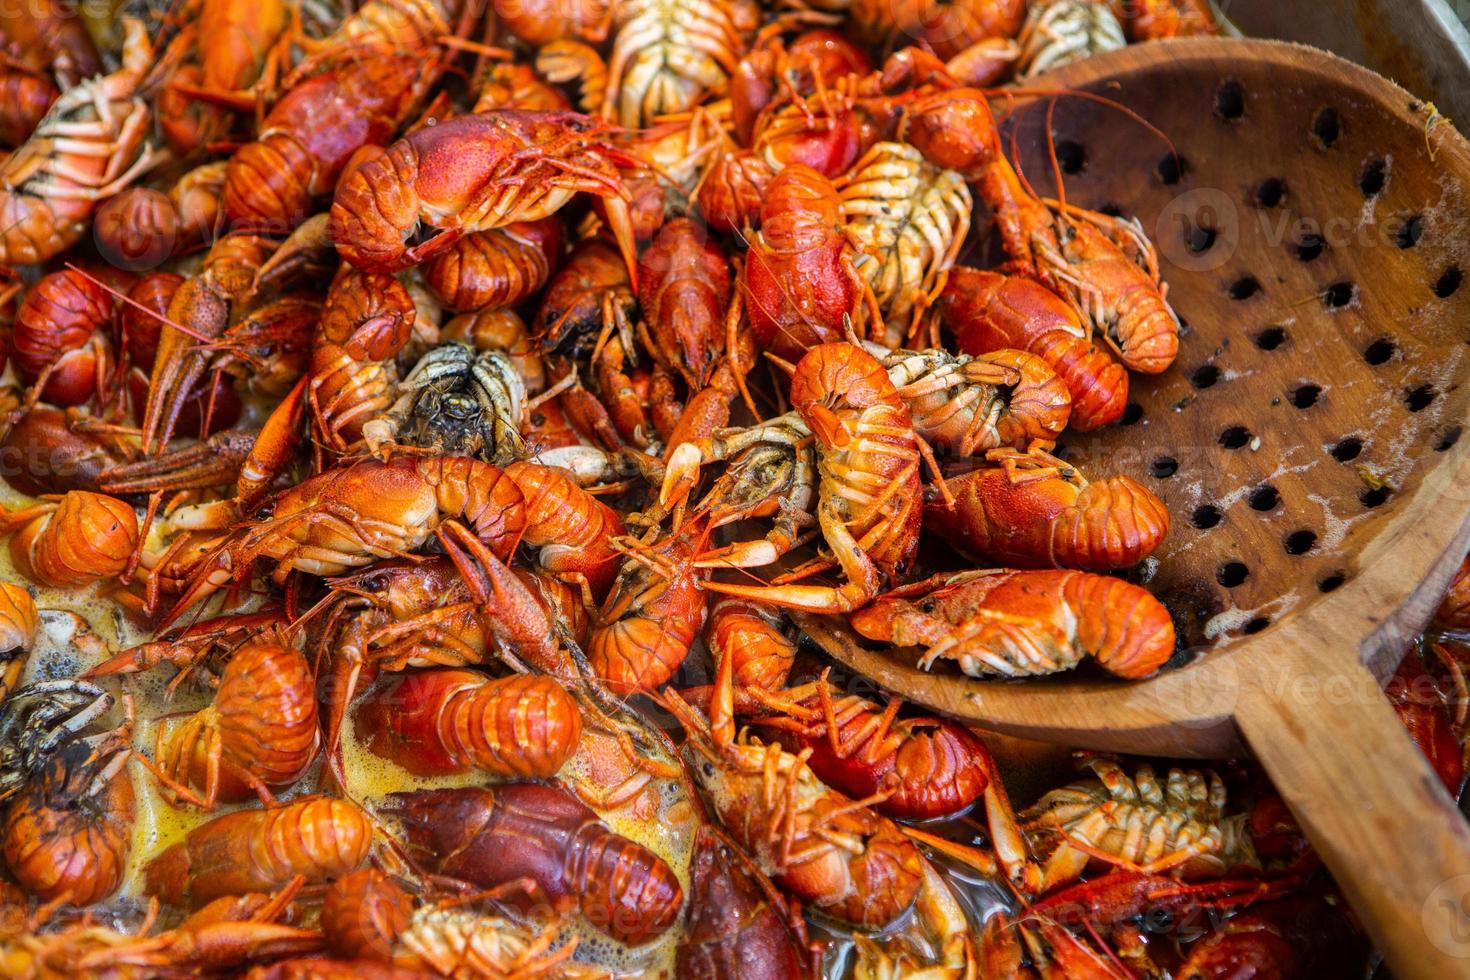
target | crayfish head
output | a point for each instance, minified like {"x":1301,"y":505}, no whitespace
{"x":753,"y":485}
{"x":441,"y":821}
{"x":41,"y":720}
{"x":954,"y":130}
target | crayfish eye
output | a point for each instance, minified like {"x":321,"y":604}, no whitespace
{"x":1158,"y":920}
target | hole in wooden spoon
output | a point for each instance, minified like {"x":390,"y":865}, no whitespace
{"x":1264,"y":498}
{"x":1300,"y":542}
{"x":1230,"y":101}
{"x":1199,"y":239}
{"x":1347,"y":450}
{"x":1420,"y":398}
{"x":1408,"y":230}
{"x":1309,"y":246}
{"x":1245,"y":287}
{"x":1339,"y":294}
{"x":1331,"y":583}
{"x":1271,"y":338}
{"x":1271,"y":192}
{"x":1327,"y":127}
{"x":1373,"y":497}
{"x":1071,"y":156}
{"x":1232,"y":573}
{"x":1305,"y":396}
{"x":1205,"y":376}
{"x":1164,"y":467}
{"x":1447,"y":441}
{"x":1171,"y":169}
{"x":1235,"y":437}
{"x":1256,"y":625}
{"x":1132,"y":412}
{"x":1374,"y":177}
{"x":1206,"y":516}
{"x":1449,"y":283}
{"x":1379,"y":351}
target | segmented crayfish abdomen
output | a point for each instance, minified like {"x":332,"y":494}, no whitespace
{"x":1032,"y":510}
{"x":84,"y":538}
{"x":363,"y":913}
{"x":949,"y":27}
{"x":473,"y":173}
{"x":751,"y":635}
{"x":499,"y":267}
{"x":261,"y":729}
{"x":65,"y":838}
{"x":260,"y":851}
{"x":1025,"y":623}
{"x":61,"y":332}
{"x":447,"y":721}
{"x":650,"y":620}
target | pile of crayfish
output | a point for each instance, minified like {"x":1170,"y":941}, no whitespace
{"x":427,"y":428}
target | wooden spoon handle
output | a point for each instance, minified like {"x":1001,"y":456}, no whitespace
{"x":1371,"y":806}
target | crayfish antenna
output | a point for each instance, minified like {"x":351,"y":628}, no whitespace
{"x":784,"y":365}
{"x":972,"y":857}
{"x":123,"y":297}
{"x":696,"y":728}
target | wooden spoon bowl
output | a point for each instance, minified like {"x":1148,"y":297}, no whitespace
{"x":1314,"y":228}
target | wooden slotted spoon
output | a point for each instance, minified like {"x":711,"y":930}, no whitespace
{"x":1307,"y":443}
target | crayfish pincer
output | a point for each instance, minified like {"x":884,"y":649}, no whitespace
{"x":474,"y":173}
{"x":488,"y":837}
